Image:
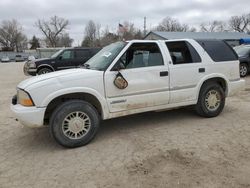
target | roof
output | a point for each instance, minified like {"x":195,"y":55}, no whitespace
{"x":200,"y":35}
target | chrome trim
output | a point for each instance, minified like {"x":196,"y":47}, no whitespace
{"x":32,"y":69}
{"x":119,"y":101}
{"x":234,"y":80}
{"x":141,"y":93}
{"x":182,"y":87}
{"x":65,"y":67}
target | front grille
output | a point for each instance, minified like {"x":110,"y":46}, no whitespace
{"x":14,"y":100}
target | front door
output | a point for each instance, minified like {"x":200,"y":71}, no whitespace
{"x":146,"y":76}
{"x":65,"y":60}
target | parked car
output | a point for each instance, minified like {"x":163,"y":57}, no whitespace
{"x":63,"y":59}
{"x":243,"y":52}
{"x":19,"y":58}
{"x":5,"y":59}
{"x":127,"y":78}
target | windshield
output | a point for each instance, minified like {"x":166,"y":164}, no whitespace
{"x":56,"y":54}
{"x":242,"y":51}
{"x":104,"y":58}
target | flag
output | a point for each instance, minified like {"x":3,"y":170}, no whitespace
{"x":121,"y":28}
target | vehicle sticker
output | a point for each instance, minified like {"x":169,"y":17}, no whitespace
{"x":107,"y":54}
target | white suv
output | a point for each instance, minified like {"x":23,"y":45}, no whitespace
{"x":127,"y":78}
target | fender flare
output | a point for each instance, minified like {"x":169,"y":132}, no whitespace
{"x":212,"y":76}
{"x":66,"y":91}
{"x":45,"y":65}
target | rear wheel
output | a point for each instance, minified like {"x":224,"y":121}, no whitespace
{"x":243,"y":69}
{"x":211,"y":100}
{"x":74,"y":123}
{"x":44,"y":71}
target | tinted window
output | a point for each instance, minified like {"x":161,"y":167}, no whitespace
{"x":218,"y":50}
{"x":94,"y":51}
{"x":82,"y":54}
{"x":142,"y":55}
{"x":182,"y":52}
{"x":67,"y":54}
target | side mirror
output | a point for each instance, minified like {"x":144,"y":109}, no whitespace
{"x":60,"y":57}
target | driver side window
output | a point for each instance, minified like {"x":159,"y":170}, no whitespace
{"x":67,"y":54}
{"x":142,"y":55}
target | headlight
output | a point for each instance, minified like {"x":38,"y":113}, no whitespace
{"x":23,"y":98}
{"x":31,"y":64}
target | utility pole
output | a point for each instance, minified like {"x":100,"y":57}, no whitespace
{"x":145,"y":26}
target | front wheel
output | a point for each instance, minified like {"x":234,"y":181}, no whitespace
{"x":211,"y":100}
{"x":44,"y":71}
{"x":74,"y":123}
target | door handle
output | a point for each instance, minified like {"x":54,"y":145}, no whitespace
{"x":164,"y":73}
{"x":202,"y":69}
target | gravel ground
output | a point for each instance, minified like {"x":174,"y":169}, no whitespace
{"x":166,"y":149}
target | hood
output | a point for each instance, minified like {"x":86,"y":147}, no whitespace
{"x":58,"y":74}
{"x":42,"y":60}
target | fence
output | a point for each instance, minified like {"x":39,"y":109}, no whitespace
{"x":39,"y":53}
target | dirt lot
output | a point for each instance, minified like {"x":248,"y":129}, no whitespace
{"x":165,"y":149}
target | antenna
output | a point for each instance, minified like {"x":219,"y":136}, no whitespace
{"x":145,"y":26}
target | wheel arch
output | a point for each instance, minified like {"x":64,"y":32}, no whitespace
{"x":245,"y":62}
{"x":44,"y":66}
{"x":88,"y":97}
{"x":221,"y":80}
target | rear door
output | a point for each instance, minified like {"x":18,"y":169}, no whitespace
{"x":81,"y":56}
{"x":146,"y":76}
{"x":186,"y":70}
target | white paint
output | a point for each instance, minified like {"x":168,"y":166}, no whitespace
{"x":146,"y":90}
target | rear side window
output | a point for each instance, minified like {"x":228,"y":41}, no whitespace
{"x":218,"y":50}
{"x":182,"y":52}
{"x":94,"y":51}
{"x":81,"y":54}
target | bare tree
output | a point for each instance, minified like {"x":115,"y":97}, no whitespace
{"x":171,"y":25}
{"x":52,"y":29}
{"x":240,"y":23}
{"x":65,"y":40}
{"x":12,"y":36}
{"x":92,"y":34}
{"x":108,"y":37}
{"x":214,"y":26}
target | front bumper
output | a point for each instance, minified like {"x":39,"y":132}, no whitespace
{"x":236,"y":86}
{"x":29,"y":116}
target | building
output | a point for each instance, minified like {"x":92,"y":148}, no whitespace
{"x":232,"y":38}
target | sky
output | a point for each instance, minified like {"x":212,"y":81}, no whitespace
{"x":111,"y":12}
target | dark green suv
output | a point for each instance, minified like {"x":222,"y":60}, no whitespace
{"x":63,"y":59}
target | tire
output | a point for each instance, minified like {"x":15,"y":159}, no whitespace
{"x":211,"y":100}
{"x":44,"y":71}
{"x":74,"y":123}
{"x":243,"y":69}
